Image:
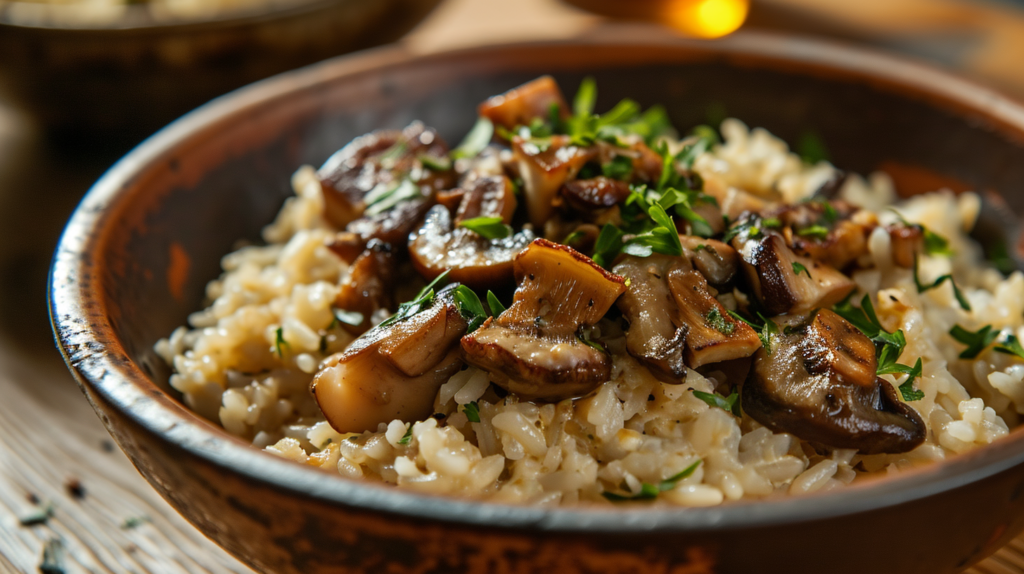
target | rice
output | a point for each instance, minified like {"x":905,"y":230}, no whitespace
{"x":249,"y":357}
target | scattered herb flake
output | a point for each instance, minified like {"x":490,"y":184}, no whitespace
{"x":470,"y":307}
{"x":423,"y":300}
{"x":650,"y":491}
{"x":53,"y":557}
{"x":976,"y":341}
{"x":771,"y":223}
{"x":907,"y":388}
{"x":799,"y":268}
{"x":476,"y":140}
{"x":729,"y":404}
{"x":717,"y":322}
{"x":435,"y":163}
{"x":922,"y":287}
{"x":766,"y":329}
{"x":815,"y":231}
{"x":134,"y":522}
{"x":472,"y":411}
{"x":495,"y":304}
{"x":1012,"y":346}
{"x":487,"y":227}
{"x":407,"y":437}
{"x":572,"y":238}
{"x":280,"y":343}
{"x":620,"y":168}
{"x":888,"y":346}
{"x":381,"y":199}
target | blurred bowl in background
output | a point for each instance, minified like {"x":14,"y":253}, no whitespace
{"x":130,"y":69}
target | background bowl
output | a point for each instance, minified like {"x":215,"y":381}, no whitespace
{"x":135,"y":72}
{"x":137,"y":253}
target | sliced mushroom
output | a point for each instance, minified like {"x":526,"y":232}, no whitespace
{"x":594,"y":194}
{"x":377,"y":163}
{"x":656,"y":336}
{"x":392,"y":226}
{"x":518,"y":106}
{"x":545,"y":169}
{"x":647,"y":163}
{"x":712,"y":334}
{"x":488,"y":197}
{"x":438,"y":246}
{"x":369,"y":285}
{"x":784,"y":282}
{"x":717,"y":261}
{"x":848,"y":229}
{"x":392,"y":371}
{"x":820,"y":385}
{"x":533,"y":348}
{"x":907,"y":243}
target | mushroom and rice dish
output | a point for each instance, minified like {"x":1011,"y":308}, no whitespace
{"x":575,"y":307}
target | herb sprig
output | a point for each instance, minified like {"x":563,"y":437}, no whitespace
{"x":487,"y":227}
{"x":765,"y":330}
{"x":922,"y":287}
{"x":978,"y":341}
{"x":423,"y":300}
{"x":729,"y":404}
{"x":650,"y":491}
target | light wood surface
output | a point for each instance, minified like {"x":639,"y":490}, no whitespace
{"x":49,"y":435}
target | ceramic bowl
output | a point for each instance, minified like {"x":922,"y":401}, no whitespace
{"x":136,"y":255}
{"x":134,"y":73}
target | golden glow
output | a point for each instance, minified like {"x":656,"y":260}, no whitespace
{"x":706,"y":18}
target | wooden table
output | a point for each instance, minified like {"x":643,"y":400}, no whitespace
{"x":53,"y":449}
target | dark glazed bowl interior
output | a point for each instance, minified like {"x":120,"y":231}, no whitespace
{"x":139,"y":250}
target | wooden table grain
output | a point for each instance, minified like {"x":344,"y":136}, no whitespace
{"x":53,"y":449}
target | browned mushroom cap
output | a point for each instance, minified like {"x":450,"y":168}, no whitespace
{"x":907,"y":243}
{"x":492,"y":196}
{"x":848,"y":229}
{"x":718,"y":262}
{"x":784,"y":282}
{"x":438,"y":246}
{"x":544,"y":169}
{"x":712,"y":334}
{"x":518,"y":106}
{"x":594,"y":194}
{"x":533,"y":348}
{"x":656,"y":336}
{"x":674,"y":319}
{"x":393,"y":371}
{"x":378,"y":162}
{"x":820,"y":385}
{"x":647,"y":163}
{"x":368,"y":286}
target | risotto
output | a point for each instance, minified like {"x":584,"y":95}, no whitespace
{"x":571,"y":307}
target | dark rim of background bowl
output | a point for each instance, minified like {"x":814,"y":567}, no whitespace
{"x":137,"y":17}
{"x":93,"y":351}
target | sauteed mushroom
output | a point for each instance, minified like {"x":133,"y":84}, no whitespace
{"x":784,"y":282}
{"x":713,"y":335}
{"x":717,"y":261}
{"x":377,"y":164}
{"x":594,"y":194}
{"x":832,"y":232}
{"x":820,"y":385}
{"x":440,"y":246}
{"x":544,"y":169}
{"x":518,"y":106}
{"x":393,"y":371}
{"x":907,"y":243}
{"x":534,"y":348}
{"x":369,"y":285}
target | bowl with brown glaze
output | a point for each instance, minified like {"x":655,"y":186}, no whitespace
{"x":134,"y":69}
{"x":136,"y":255}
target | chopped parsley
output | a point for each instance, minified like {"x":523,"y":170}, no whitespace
{"x":815,"y":231}
{"x":799,"y":268}
{"x":133,"y":522}
{"x":572,"y":238}
{"x":584,"y":336}
{"x":495,"y":304}
{"x":922,"y":287}
{"x":729,"y":404}
{"x":407,"y":437}
{"x":765,"y":330}
{"x":608,"y":245}
{"x":771,"y":223}
{"x":704,"y":138}
{"x":476,"y":140}
{"x":435,"y":163}
{"x":472,"y":411}
{"x":888,"y":346}
{"x":487,"y":227}
{"x":423,"y":300}
{"x":650,"y":491}
{"x":934,"y":244}
{"x":717,"y":322}
{"x":748,"y":227}
{"x":621,"y":167}
{"x":470,"y":307}
{"x":1012,"y":346}
{"x":280,"y":343}
{"x":978,"y":340}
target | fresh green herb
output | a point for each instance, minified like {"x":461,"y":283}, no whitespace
{"x":496,"y":307}
{"x":811,"y":149}
{"x":717,"y":322}
{"x":584,"y":336}
{"x":703,"y":139}
{"x":472,"y":411}
{"x":476,"y":140}
{"x":279,"y":342}
{"x":771,"y":223}
{"x":586,"y":97}
{"x":829,"y":215}
{"x":766,"y":329}
{"x":487,"y":227}
{"x":53,"y":557}
{"x":1011,"y":347}
{"x":381,"y":199}
{"x":39,"y":515}
{"x":799,"y":268}
{"x":620,"y":167}
{"x":134,"y":522}
{"x":423,"y":300}
{"x":682,"y":202}
{"x":701,"y":247}
{"x":407,"y":437}
{"x":976,"y":341}
{"x":907,"y":388}
{"x":470,"y":307}
{"x":730,"y":404}
{"x":934,"y":244}
{"x":999,"y":255}
{"x":608,"y":245}
{"x":435,"y":163}
{"x":888,"y":346}
{"x":651,"y":491}
{"x":395,"y":152}
{"x":573,"y":237}
{"x":922,"y":287}
{"x":749,"y":227}
{"x":353,"y":318}
{"x":816,"y":231}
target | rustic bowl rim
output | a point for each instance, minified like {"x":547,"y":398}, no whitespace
{"x":93,"y":353}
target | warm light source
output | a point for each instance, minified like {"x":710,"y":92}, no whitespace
{"x":705,"y":18}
